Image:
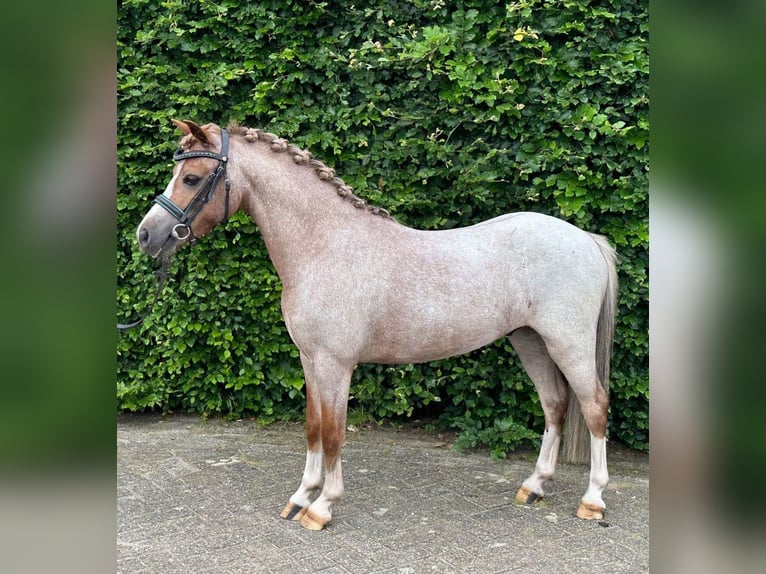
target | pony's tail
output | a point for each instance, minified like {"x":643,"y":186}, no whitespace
{"x":576,"y":436}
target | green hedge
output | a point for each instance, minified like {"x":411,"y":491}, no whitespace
{"x":443,"y":114}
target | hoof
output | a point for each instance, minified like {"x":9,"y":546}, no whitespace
{"x":588,"y":511}
{"x":293,"y":512}
{"x":311,"y":521}
{"x":527,"y":496}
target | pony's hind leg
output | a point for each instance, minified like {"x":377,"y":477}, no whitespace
{"x":552,"y":390}
{"x":579,"y":368}
{"x":595,"y":407}
{"x":312,"y":478}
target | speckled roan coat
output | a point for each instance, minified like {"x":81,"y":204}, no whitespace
{"x":358,"y":287}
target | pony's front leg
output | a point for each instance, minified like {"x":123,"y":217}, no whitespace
{"x":319,"y":513}
{"x":333,"y":379}
{"x":311,"y":481}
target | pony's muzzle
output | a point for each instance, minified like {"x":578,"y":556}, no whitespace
{"x":181,"y":232}
{"x":143,"y":238}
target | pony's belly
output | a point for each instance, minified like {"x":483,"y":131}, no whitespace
{"x":429,"y":344}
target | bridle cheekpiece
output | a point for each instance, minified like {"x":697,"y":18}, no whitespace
{"x":186,"y":216}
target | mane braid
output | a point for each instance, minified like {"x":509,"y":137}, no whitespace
{"x":304,"y":157}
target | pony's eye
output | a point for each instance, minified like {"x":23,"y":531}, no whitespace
{"x":191,"y":180}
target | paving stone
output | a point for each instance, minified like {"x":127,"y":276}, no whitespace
{"x":204,"y":496}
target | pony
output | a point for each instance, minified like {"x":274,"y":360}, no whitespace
{"x":359,"y":287}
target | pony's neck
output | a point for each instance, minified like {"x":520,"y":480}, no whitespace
{"x":298,"y":214}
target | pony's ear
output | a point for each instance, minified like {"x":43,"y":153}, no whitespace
{"x":181,"y":126}
{"x":189,"y":127}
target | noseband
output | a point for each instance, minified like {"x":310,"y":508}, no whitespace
{"x":186,"y":216}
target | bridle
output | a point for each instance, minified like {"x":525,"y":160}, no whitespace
{"x":186,"y":216}
{"x":182,"y":230}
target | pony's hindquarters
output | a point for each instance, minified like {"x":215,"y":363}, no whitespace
{"x":566,"y":351}
{"x":577,"y":439}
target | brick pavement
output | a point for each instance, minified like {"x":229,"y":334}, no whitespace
{"x":200,"y":496}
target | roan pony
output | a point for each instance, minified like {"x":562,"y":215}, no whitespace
{"x":358,"y":287}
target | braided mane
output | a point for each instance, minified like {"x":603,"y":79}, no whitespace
{"x":304,"y":157}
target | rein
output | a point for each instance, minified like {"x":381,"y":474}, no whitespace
{"x":162,"y":277}
{"x":186,"y":217}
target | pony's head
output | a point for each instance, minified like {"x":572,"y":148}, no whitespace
{"x":197,"y":197}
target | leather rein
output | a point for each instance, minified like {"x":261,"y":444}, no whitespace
{"x":185,"y":217}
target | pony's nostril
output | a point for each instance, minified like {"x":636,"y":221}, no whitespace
{"x":143,"y":236}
